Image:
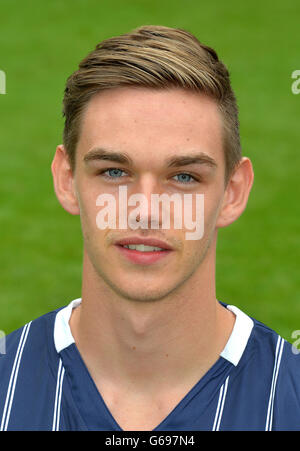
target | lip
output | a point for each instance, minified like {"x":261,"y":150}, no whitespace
{"x":143,"y":258}
{"x":146,"y":241}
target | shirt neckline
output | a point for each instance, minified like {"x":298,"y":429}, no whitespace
{"x":232,"y":351}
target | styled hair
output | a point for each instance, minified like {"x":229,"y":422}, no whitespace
{"x":152,"y":57}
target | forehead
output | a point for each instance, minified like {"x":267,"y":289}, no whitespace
{"x":151,"y":125}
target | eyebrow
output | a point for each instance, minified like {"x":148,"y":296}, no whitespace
{"x":100,"y":154}
{"x":199,"y":158}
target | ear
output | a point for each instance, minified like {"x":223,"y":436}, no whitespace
{"x":64,"y":181}
{"x":236,"y":193}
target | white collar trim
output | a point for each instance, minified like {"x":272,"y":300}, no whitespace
{"x":232,"y":352}
{"x":239,"y":337}
{"x":62,"y":333}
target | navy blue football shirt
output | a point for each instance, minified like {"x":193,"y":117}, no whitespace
{"x":45,"y":384}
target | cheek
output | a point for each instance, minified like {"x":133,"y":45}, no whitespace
{"x":88,"y":215}
{"x":200,"y":217}
{"x":213,"y":203}
{"x":198,"y":240}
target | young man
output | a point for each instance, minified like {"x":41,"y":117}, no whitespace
{"x":148,"y":346}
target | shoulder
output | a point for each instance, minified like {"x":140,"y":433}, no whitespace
{"x":272,"y":348}
{"x":268,"y":341}
{"x":266,"y":380}
{"x":29,"y":343}
{"x":28,"y":369}
{"x":287,"y":386}
{"x":37,"y":328}
{"x":281,"y":361}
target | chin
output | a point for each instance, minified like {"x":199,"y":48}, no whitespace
{"x":143,"y":293}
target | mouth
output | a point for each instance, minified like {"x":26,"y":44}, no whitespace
{"x":143,"y":248}
{"x":143,"y":251}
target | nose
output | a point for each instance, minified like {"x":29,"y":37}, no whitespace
{"x":144,"y":215}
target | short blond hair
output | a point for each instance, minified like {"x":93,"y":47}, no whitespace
{"x":154,"y":57}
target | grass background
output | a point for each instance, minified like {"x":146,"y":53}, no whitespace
{"x":41,"y":44}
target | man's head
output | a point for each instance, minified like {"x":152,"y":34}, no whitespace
{"x":146,"y":136}
{"x":153,"y":57}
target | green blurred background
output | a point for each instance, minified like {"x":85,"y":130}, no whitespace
{"x":41,"y":44}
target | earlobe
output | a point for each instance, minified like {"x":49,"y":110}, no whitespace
{"x":63,"y":181}
{"x":236,"y":194}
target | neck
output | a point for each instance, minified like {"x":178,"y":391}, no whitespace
{"x":155,"y":345}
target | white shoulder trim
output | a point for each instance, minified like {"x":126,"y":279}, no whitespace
{"x":62,"y":332}
{"x":239,"y":337}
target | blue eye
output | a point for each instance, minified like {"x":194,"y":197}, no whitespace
{"x":184,"y":178}
{"x":113,"y":173}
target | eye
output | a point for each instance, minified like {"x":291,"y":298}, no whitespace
{"x":185,"y":178}
{"x":112,"y":173}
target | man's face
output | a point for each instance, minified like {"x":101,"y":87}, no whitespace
{"x":149,"y":128}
